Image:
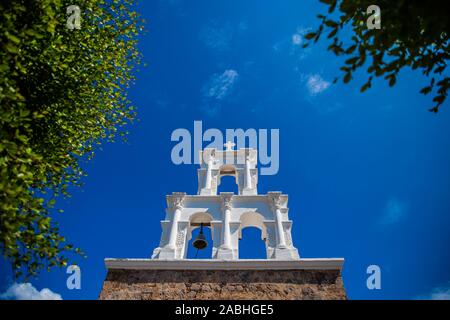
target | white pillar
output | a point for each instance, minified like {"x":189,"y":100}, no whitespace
{"x":174,"y":227}
{"x":226,"y":249}
{"x":226,"y":227}
{"x":248,"y":176}
{"x":280,"y":229}
{"x":208,"y":175}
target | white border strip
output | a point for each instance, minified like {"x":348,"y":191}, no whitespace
{"x":214,"y":264}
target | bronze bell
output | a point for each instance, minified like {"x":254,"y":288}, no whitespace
{"x":200,"y":241}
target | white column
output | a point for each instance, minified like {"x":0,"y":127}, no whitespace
{"x":208,"y":175}
{"x":280,"y":229}
{"x":226,"y":233}
{"x":248,"y":176}
{"x":174,"y":226}
{"x":226,"y":250}
{"x":226,"y":228}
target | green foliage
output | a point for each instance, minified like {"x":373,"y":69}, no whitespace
{"x":413,"y":34}
{"x":62,"y":92}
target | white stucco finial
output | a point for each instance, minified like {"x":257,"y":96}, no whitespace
{"x":229,"y":146}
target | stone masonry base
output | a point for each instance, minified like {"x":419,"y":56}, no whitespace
{"x":148,"y":284}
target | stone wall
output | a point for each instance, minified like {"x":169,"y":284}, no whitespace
{"x":222,"y":284}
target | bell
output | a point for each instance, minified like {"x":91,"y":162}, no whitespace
{"x":200,"y":242}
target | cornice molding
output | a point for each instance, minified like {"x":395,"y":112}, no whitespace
{"x":214,"y":264}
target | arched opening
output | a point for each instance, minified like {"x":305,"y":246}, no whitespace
{"x":252,"y":236}
{"x":251,"y":246}
{"x":227,"y":181}
{"x":206,"y":253}
{"x":195,"y":222}
{"x":228,"y":184}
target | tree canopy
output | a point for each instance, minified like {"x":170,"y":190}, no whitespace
{"x":413,"y":34}
{"x":63,"y":91}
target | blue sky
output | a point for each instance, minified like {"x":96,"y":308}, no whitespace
{"x":367,"y":174}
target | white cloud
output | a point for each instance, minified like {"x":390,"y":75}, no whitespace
{"x":26,"y":291}
{"x":439,"y":293}
{"x":294,"y":45}
{"x":296,"y":39}
{"x":217,"y":89}
{"x":220,"y":85}
{"x":316,"y":84}
{"x":393,"y":212}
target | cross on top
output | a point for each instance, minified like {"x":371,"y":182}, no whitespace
{"x":229,"y":146}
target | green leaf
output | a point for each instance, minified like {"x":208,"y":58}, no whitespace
{"x":439,"y":99}
{"x":367,"y":85}
{"x":392,"y":81}
{"x":347,"y":77}
{"x":310,"y":35}
{"x":426,"y":90}
{"x":11,"y":48}
{"x":333,"y":33}
{"x":13,"y":38}
{"x":350,"y":49}
{"x":331,"y":24}
{"x":351,"y":61}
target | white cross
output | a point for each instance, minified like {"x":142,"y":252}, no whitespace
{"x":229,"y":146}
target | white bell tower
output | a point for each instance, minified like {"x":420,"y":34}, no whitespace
{"x":227,"y":213}
{"x":170,"y":275}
